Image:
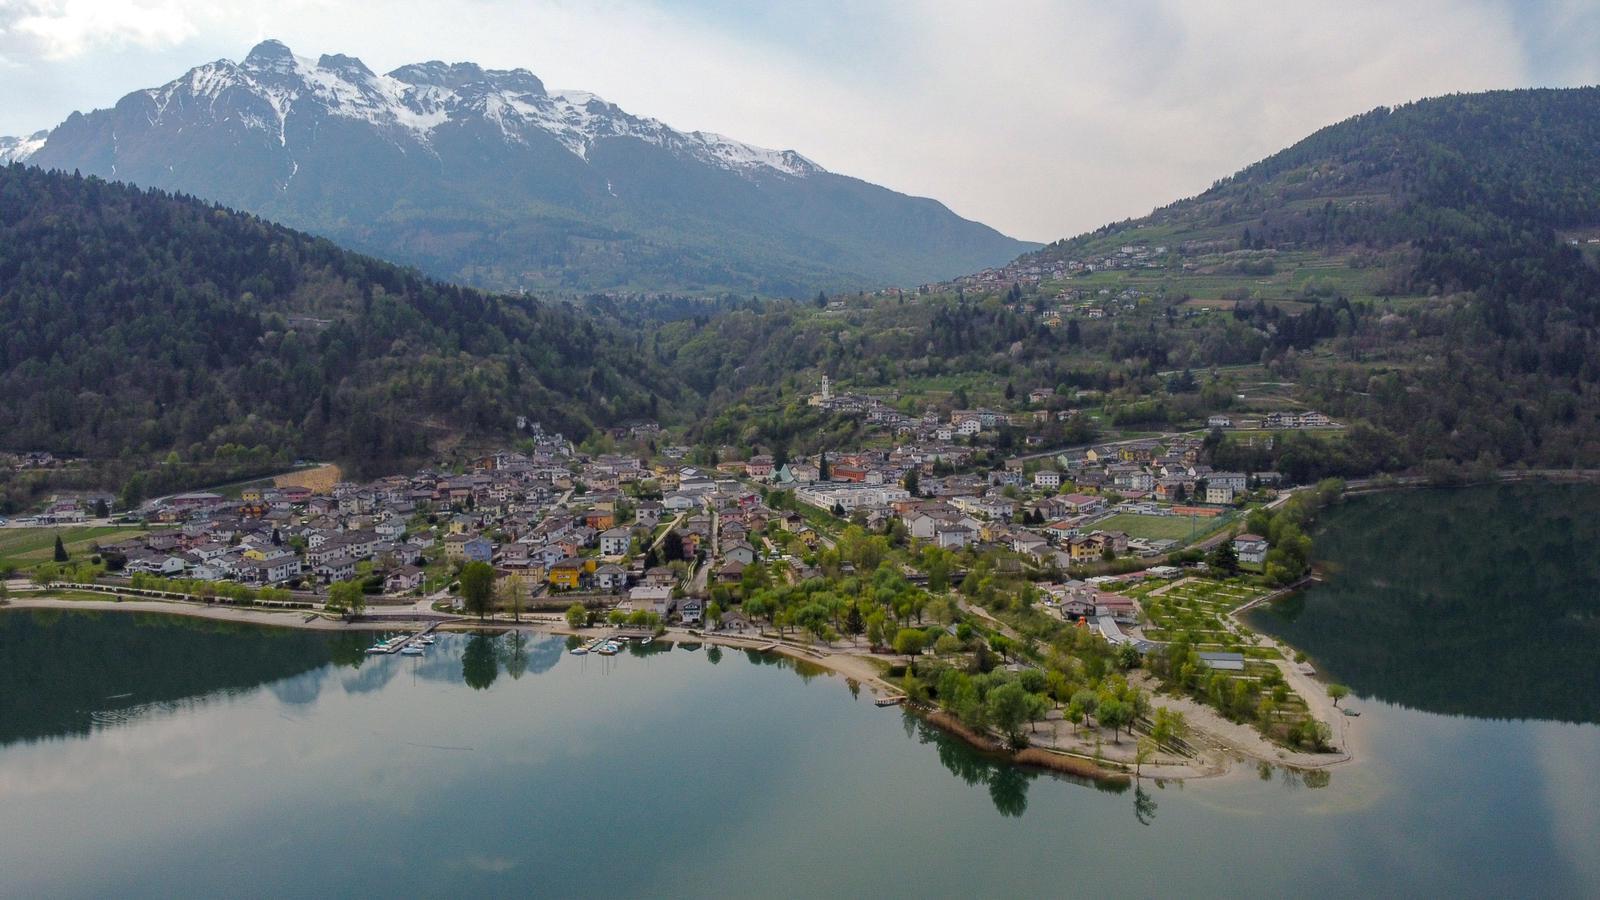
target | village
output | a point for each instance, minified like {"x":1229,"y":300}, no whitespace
{"x":668,"y":540}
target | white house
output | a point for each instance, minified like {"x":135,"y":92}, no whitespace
{"x":615,"y":541}
{"x":954,"y":535}
{"x":1252,"y":548}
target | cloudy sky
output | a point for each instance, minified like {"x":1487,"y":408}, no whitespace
{"x":1041,"y":118}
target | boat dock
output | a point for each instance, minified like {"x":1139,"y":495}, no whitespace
{"x":395,"y":645}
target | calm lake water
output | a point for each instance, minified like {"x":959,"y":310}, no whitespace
{"x":155,"y":756}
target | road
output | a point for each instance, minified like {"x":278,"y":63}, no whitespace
{"x":1162,"y":436}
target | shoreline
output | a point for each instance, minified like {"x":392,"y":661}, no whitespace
{"x":1218,"y":744}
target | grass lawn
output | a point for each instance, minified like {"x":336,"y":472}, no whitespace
{"x":25,"y":547}
{"x":1172,"y":528}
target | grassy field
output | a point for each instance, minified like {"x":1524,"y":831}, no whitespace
{"x":1172,"y":528}
{"x":25,"y":547}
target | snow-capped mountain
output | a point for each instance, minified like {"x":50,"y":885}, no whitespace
{"x":19,"y":149}
{"x":484,"y":176}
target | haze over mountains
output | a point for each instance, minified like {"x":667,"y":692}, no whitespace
{"x":486,"y":178}
{"x":1479,"y":168}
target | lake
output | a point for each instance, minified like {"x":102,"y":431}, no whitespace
{"x":158,"y":756}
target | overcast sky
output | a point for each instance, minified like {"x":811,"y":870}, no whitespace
{"x":1043,"y":119}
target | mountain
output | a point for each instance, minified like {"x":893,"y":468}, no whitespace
{"x":1428,"y":275}
{"x":140,"y":323}
{"x":1460,"y":165}
{"x":486,"y":178}
{"x":18,"y":149}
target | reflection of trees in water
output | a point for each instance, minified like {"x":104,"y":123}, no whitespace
{"x":1008,"y":784}
{"x":480,"y":663}
{"x":514,"y":654}
{"x":1312,"y":779}
{"x":1144,"y":806}
{"x":521,"y":653}
{"x":1487,"y":610}
{"x":66,"y":672}
{"x":1008,"y":788}
{"x":714,"y":654}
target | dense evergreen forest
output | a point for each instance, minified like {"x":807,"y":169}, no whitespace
{"x":140,"y":323}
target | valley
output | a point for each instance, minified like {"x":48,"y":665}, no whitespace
{"x":330,"y":396}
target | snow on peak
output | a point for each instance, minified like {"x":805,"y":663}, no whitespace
{"x":583,"y":117}
{"x":18,"y":149}
{"x":412,"y":101}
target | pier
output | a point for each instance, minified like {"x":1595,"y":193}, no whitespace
{"x":395,"y":645}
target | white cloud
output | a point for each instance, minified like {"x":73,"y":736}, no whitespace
{"x":63,"y":29}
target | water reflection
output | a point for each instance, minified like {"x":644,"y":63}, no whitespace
{"x":1144,"y":806}
{"x":64,"y":672}
{"x":480,"y":664}
{"x":1489,"y":610}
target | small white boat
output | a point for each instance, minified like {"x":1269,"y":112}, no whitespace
{"x":412,"y":650}
{"x":608,"y":649}
{"x":579,"y":651}
{"x":426,"y":640}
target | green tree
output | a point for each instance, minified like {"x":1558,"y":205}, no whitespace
{"x":347,"y":597}
{"x":1168,"y":726}
{"x":1146,"y":749}
{"x":477,"y":588}
{"x":1008,"y":708}
{"x":910,"y":641}
{"x":61,"y":550}
{"x":875,"y":629}
{"x":672,"y":546}
{"x":512,"y":594}
{"x":1224,"y":558}
{"x":854,"y":624}
{"x":1338,"y":692}
{"x":577,"y":615}
{"x":1114,"y":714}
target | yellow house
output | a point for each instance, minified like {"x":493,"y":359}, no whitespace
{"x":255,"y":553}
{"x":1086,"y":547}
{"x":567,"y":573}
{"x":250,"y":496}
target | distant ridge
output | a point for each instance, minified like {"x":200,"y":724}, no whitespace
{"x":487,"y":178}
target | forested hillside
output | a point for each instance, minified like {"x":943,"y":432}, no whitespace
{"x":139,"y":323}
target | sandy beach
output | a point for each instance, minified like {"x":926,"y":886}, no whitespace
{"x":1218,"y":743}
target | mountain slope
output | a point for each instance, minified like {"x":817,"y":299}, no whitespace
{"x":1456,"y":164}
{"x":487,"y":178}
{"x":139,"y":323}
